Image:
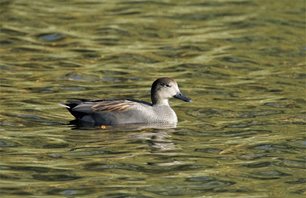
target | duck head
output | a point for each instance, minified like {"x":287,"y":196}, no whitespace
{"x":165,"y":88}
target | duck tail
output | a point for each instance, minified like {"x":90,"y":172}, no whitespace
{"x":64,"y":105}
{"x":70,"y":104}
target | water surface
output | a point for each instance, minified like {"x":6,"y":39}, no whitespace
{"x":241,"y":61}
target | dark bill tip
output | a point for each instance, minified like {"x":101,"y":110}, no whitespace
{"x":182,"y":97}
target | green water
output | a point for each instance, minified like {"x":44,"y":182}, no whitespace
{"x":242,"y":62}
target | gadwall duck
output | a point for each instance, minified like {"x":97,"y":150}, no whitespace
{"x":117,"y":112}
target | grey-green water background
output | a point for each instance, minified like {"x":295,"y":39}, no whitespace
{"x":241,"y":61}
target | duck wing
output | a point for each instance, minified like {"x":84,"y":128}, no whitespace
{"x":81,"y":107}
{"x":113,"y":105}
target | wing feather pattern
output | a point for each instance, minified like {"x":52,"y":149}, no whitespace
{"x":111,"y":106}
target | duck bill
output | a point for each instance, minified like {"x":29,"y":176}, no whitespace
{"x":182,"y":97}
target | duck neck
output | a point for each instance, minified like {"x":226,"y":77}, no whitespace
{"x":158,"y":101}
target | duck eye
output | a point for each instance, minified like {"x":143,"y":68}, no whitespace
{"x":165,"y":85}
